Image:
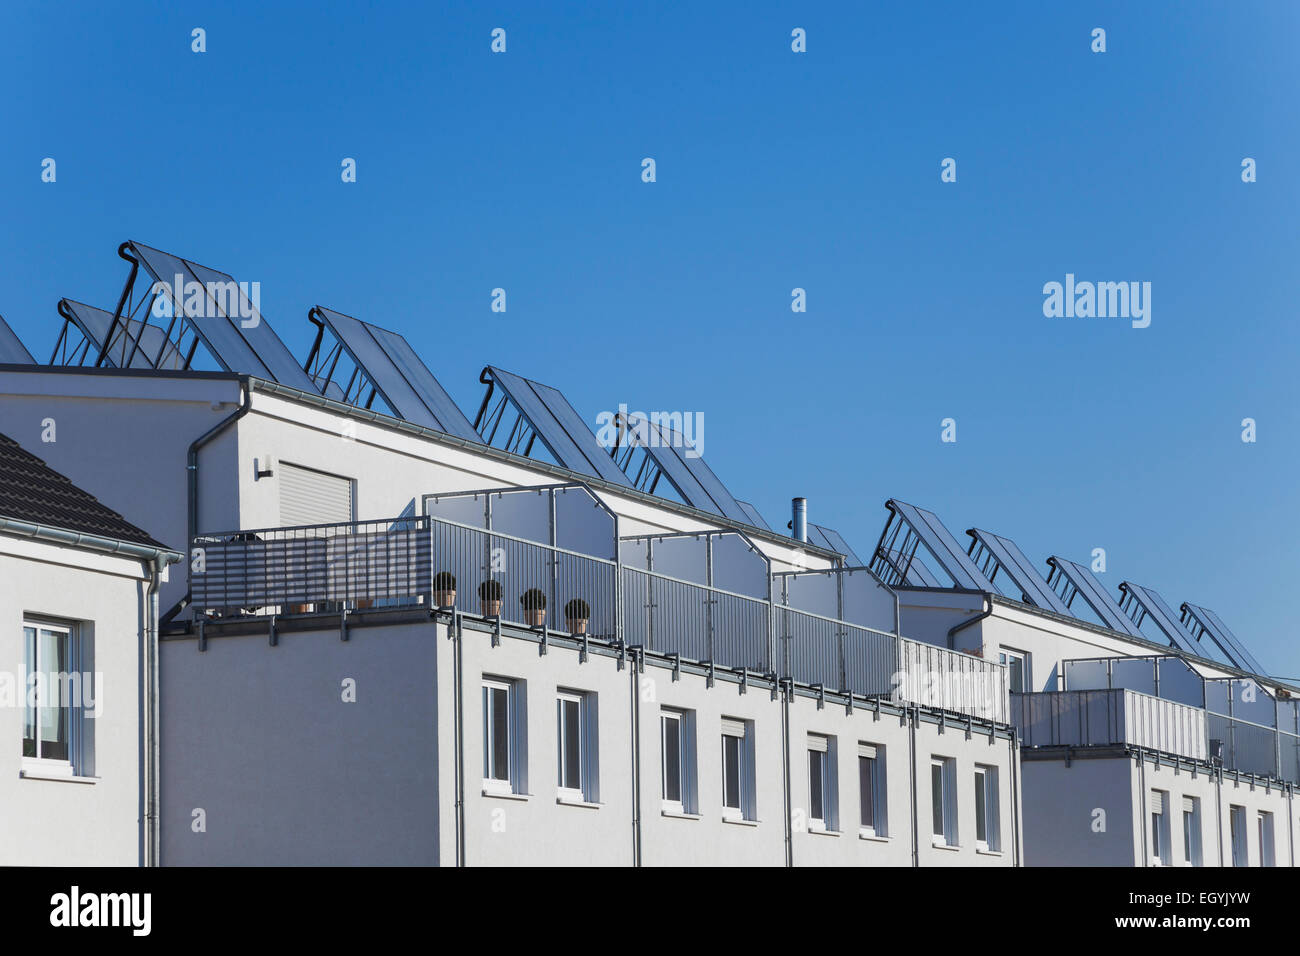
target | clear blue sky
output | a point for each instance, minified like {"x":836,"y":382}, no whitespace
{"x":775,"y":170}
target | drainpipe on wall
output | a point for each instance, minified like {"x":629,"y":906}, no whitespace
{"x":1142,"y":806}
{"x":1218,"y":809}
{"x":192,"y":458}
{"x":952,"y":631}
{"x":636,"y":761}
{"x":1013,"y":748}
{"x":458,"y":735}
{"x":153,"y":752}
{"x":911,"y":747}
{"x":787,"y":689}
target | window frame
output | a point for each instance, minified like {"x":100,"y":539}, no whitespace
{"x":988,"y":809}
{"x":944,"y":799}
{"x":1192,"y":832}
{"x":1005,"y":657}
{"x":1162,"y":851}
{"x":512,"y":782}
{"x":879,"y":825}
{"x":746,"y":797}
{"x":575,"y":793}
{"x":687,"y":803}
{"x":821,"y":759}
{"x":73,"y":712}
{"x":1240,"y":839}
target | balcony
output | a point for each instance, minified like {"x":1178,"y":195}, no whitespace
{"x":551,"y":559}
{"x":1244,"y":726}
{"x":1103,"y":718}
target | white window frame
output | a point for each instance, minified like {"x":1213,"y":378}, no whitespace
{"x":71,"y":765}
{"x":685,"y":720}
{"x":1005,"y":656}
{"x":742,"y":731}
{"x":822,"y":756}
{"x":1161,"y":840}
{"x":947,"y":793}
{"x":513,"y":781}
{"x":1237,"y":833}
{"x":986,"y":786}
{"x":587,"y":791}
{"x":1267,"y":839}
{"x":1192,"y":831}
{"x":879,"y":825}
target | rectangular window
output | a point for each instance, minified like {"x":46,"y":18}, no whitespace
{"x":1266,"y":857}
{"x":576,"y":746}
{"x":1019,"y":678}
{"x":60,"y":695}
{"x":738,"y":769}
{"x":822,"y":783}
{"x":677,"y":763}
{"x":871,"y":790}
{"x":1237,"y":824}
{"x":503,"y":736}
{"x":943,"y":800}
{"x":1161,"y":851}
{"x":987,"y":813}
{"x":1191,"y":831}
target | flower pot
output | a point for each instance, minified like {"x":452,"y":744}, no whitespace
{"x":492,"y":608}
{"x":444,"y":598}
{"x":298,"y":609}
{"x":535,"y":616}
{"x":577,"y":625}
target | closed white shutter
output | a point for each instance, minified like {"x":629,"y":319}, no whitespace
{"x":867,"y":750}
{"x":1189,"y":804}
{"x":732,"y":727}
{"x":308,"y":496}
{"x":1157,"y":801}
{"x":818,"y":743}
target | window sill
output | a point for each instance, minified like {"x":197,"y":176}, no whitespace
{"x":822,"y":831}
{"x":566,"y":801}
{"x":506,"y":794}
{"x":945,"y":846}
{"x":60,"y":777}
{"x":740,"y":821}
{"x":868,"y":835}
{"x":680,"y":815}
{"x":987,"y":852}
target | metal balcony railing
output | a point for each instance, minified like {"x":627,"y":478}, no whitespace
{"x":1100,"y":718}
{"x":437,"y":562}
{"x":950,"y":680}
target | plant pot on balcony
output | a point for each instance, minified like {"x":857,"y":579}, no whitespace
{"x":299,"y":608}
{"x":576,"y":615}
{"x":444,"y":589}
{"x":489,"y":594}
{"x":534,"y":605}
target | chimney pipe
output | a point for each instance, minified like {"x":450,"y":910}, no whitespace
{"x":799,"y":524}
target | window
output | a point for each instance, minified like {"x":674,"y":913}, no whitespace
{"x":1161,"y":851}
{"x":987,"y":816}
{"x":60,"y":696}
{"x":823,"y":809}
{"x":677,"y":747}
{"x":1237,"y":824}
{"x":943,"y":797}
{"x":503,"y":736}
{"x":1191,"y":831}
{"x":308,"y":496}
{"x":738,"y":769}
{"x":576,"y":746}
{"x":1019,"y":678}
{"x":871,"y":790}
{"x":1266,"y":839}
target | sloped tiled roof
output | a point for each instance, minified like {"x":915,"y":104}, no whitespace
{"x":32,"y":491}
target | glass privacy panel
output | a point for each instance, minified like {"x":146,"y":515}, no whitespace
{"x":815,"y":593}
{"x":680,"y":558}
{"x":524,"y":514}
{"x":1178,"y":682}
{"x":464,"y":509}
{"x":1216,"y":696}
{"x":1252,"y":702}
{"x":1139,"y":675}
{"x":1086,"y":675}
{"x":581,"y":524}
{"x":738,"y":567}
{"x":867,"y":601}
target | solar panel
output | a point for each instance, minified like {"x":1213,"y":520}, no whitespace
{"x":688,"y":473}
{"x":151,"y":351}
{"x":755,"y":518}
{"x":560,"y":428}
{"x":1101,"y":603}
{"x":943,"y":547}
{"x":918,"y":575}
{"x":1010,"y":559}
{"x":1210,"y":623}
{"x":1155,"y":607}
{"x":392,"y":367}
{"x":831,"y":541}
{"x":12,"y":350}
{"x":244,"y":343}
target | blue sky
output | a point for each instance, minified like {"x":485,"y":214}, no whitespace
{"x":775,"y":170}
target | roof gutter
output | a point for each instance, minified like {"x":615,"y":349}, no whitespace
{"x":90,"y":542}
{"x":478,"y":448}
{"x":192,"y":457}
{"x":988,"y":610}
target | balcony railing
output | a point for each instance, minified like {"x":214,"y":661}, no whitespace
{"x":1100,"y":718}
{"x":435,"y":562}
